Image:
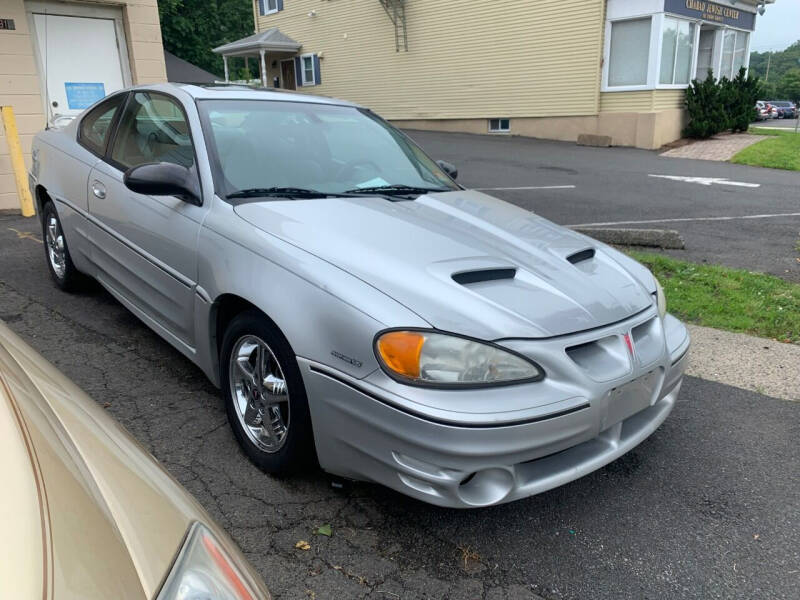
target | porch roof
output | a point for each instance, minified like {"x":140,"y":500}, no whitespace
{"x":270,"y":40}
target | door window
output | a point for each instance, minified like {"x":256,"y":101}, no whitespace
{"x":153,"y":129}
{"x":96,"y":125}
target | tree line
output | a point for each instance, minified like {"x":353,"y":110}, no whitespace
{"x":782,"y":80}
{"x":191,"y":28}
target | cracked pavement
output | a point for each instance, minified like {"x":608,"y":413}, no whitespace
{"x":707,"y":507}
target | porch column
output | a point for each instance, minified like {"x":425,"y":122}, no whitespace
{"x":225,"y":62}
{"x":263,"y":68}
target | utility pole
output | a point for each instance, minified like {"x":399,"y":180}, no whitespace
{"x":769,"y":60}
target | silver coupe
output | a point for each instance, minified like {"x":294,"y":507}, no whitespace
{"x":356,"y":306}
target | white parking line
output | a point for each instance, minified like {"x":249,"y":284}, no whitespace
{"x":707,"y":180}
{"x":533,"y":187}
{"x":610,"y":223}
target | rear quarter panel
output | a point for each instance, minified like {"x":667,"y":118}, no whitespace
{"x":61,"y":169}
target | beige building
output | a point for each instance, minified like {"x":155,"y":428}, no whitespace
{"x":617,"y":68}
{"x":58,"y":57}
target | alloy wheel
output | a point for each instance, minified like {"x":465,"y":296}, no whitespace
{"x":259,"y":392}
{"x":56,"y":252}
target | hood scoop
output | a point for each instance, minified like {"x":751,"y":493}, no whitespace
{"x":581,"y":256}
{"x":483,"y":275}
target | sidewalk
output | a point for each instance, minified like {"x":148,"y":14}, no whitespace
{"x":751,"y":363}
{"x":721,"y":147}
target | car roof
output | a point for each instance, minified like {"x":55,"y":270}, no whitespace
{"x":202,"y":91}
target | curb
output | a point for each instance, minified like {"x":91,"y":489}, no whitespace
{"x":751,"y":363}
{"x":651,"y":238}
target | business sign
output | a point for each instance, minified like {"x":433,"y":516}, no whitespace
{"x":83,"y":95}
{"x":712,"y":12}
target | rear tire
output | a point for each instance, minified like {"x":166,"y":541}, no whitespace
{"x":56,"y":252}
{"x":264,"y":395}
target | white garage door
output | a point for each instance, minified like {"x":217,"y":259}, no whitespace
{"x":79,"y":61}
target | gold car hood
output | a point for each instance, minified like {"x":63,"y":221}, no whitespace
{"x":85,"y":513}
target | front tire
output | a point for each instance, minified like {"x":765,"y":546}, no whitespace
{"x":56,"y":252}
{"x":264,"y":395}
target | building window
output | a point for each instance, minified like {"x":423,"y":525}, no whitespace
{"x":734,"y":49}
{"x":267,"y":7}
{"x":307,"y":70}
{"x":499,"y":125}
{"x":630,"y":52}
{"x":676,"y":52}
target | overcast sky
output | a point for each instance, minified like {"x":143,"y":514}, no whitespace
{"x":779,"y":27}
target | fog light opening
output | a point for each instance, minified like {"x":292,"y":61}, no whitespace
{"x":486,"y":487}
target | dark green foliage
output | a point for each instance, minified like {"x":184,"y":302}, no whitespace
{"x":706,"y":112}
{"x":789,"y":85}
{"x":740,"y":101}
{"x":191,"y":28}
{"x":716,"y":106}
{"x":779,"y":64}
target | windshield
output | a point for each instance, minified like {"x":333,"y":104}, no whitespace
{"x":269,"y":146}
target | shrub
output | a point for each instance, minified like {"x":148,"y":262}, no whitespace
{"x":706,"y":112}
{"x":744,"y":92}
{"x":716,"y":106}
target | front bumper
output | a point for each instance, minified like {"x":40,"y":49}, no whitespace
{"x":576,"y":424}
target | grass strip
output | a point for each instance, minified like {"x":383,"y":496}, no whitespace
{"x":780,"y":151}
{"x":731,"y":299}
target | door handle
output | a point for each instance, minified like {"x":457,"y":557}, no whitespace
{"x":98,"y":189}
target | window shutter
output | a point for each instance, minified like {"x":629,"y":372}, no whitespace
{"x":317,"y":73}
{"x":280,"y":4}
{"x":298,"y":73}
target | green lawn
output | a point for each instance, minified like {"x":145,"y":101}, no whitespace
{"x":732,"y":299}
{"x":780,"y":151}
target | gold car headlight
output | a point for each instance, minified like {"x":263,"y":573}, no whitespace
{"x":433,"y":359}
{"x":205,"y":571}
{"x":661,"y":299}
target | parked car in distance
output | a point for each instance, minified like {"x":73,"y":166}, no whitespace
{"x":86,"y":512}
{"x":355,"y":305}
{"x":762,"y":111}
{"x":784,"y":109}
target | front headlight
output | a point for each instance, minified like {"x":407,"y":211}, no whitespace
{"x":661,"y":300}
{"x":205,"y":571}
{"x":423,"y":357}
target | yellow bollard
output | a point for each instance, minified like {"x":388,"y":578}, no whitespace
{"x":17,"y":162}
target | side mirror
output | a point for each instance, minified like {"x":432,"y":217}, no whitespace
{"x":448,"y":168}
{"x":163,"y":179}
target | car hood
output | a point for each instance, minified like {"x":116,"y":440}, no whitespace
{"x":466,"y":262}
{"x":85,"y":512}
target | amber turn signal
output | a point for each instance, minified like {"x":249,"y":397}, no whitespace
{"x":400,"y":351}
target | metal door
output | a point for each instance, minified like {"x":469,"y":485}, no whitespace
{"x":80,"y":61}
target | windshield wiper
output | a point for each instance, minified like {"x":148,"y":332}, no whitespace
{"x":283,"y":192}
{"x":396,"y":190}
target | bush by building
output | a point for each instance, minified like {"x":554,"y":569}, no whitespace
{"x":715,"y":106}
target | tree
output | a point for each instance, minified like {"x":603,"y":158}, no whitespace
{"x":779,"y":63}
{"x":789,"y":85}
{"x":191,"y":28}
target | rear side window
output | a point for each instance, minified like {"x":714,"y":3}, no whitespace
{"x":96,"y":125}
{"x":152,"y":129}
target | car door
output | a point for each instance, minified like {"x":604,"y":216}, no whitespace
{"x":65,"y":174}
{"x":145,"y":247}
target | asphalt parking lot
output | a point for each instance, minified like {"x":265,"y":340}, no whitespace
{"x":752,"y":223}
{"x":706,"y":508}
